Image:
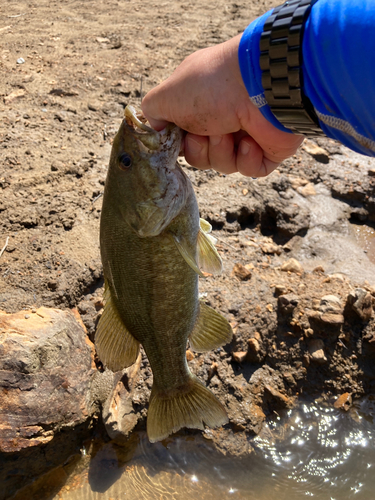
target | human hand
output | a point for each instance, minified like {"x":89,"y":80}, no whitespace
{"x":206,"y":97}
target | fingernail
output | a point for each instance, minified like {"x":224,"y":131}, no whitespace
{"x":215,"y":139}
{"x":244,"y":148}
{"x":194,"y":146}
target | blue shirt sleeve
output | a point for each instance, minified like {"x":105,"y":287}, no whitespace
{"x":338,"y":70}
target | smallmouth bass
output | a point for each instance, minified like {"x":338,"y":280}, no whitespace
{"x":153,"y":247}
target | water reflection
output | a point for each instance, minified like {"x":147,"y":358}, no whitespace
{"x":328,"y":454}
{"x":312,"y":451}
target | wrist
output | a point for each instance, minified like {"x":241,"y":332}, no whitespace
{"x":251,"y":73}
{"x":270,"y":54}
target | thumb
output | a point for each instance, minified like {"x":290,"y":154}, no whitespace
{"x":149,"y":107}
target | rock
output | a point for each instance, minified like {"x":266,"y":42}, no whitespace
{"x":343,"y":402}
{"x":360,"y":301}
{"x":318,"y":269}
{"x":281,"y":400}
{"x":297,"y":182}
{"x":189,"y":355}
{"x":94,"y":105}
{"x":253,"y":345}
{"x":280,"y":289}
{"x":309,"y":332}
{"x":290,"y":219}
{"x":212,"y":370}
{"x":287,"y":303}
{"x":14,"y":95}
{"x":267,"y":389}
{"x":239,"y":356}
{"x":57,"y":166}
{"x":308,"y":190}
{"x":118,"y":414}
{"x":46,"y":365}
{"x":337,"y":276}
{"x":270,"y":248}
{"x":101,"y":39}
{"x":332,"y":319}
{"x":254,"y":352}
{"x":289,"y":379}
{"x":46,"y":370}
{"x":316,"y":350}
{"x":328,"y":311}
{"x":330,"y":304}
{"x":241,"y":272}
{"x":320,"y":154}
{"x":293,"y":266}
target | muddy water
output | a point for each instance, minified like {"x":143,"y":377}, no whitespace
{"x":311,"y":451}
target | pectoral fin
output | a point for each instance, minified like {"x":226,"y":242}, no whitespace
{"x":186,"y":253}
{"x":209,"y":260}
{"x":116,"y":347}
{"x":205,"y":226}
{"x":211,"y":330}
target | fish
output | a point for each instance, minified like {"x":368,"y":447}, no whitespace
{"x":154,"y":246}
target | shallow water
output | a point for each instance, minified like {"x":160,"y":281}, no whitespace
{"x":311,"y":451}
{"x":365,"y":236}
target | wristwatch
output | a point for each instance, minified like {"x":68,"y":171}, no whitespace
{"x":281,"y":65}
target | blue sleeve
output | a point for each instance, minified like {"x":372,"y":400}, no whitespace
{"x":338,"y":70}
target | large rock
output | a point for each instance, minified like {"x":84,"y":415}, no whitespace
{"x":46,"y":366}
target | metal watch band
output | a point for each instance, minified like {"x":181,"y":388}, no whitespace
{"x":281,"y":61}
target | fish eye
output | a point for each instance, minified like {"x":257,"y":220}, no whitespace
{"x":125,"y":161}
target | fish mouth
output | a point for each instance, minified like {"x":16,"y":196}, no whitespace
{"x":136,"y":122}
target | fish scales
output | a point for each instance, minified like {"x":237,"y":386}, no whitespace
{"x":153,"y":246}
{"x":153,"y":294}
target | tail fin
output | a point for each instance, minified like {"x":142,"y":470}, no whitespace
{"x":189,"y":407}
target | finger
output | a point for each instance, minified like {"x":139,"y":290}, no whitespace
{"x":157,"y":124}
{"x":150,"y":109}
{"x":251,"y":161}
{"x":221,"y":153}
{"x":196,"y":151}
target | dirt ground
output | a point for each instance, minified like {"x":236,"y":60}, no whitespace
{"x":67,"y":70}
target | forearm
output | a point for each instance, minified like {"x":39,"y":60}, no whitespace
{"x":338,"y":69}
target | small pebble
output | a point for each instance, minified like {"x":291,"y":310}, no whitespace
{"x":293,"y":266}
{"x":27,"y":316}
{"x":20,"y":60}
{"x":241,"y":272}
{"x":343,"y":402}
{"x":189,"y":355}
{"x":316,"y":349}
{"x":253,"y":345}
{"x":239,"y":356}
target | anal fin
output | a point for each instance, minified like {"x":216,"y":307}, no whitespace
{"x":116,"y":347}
{"x":211,"y":330}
